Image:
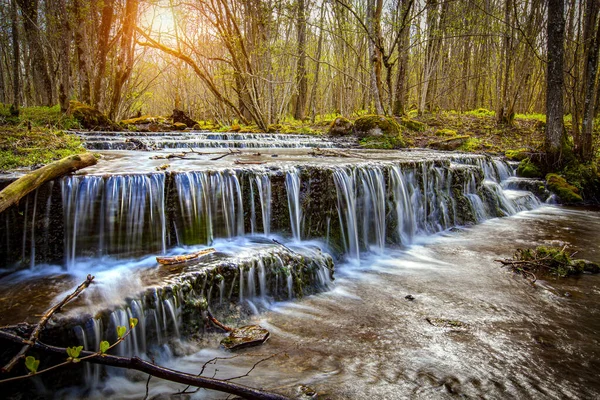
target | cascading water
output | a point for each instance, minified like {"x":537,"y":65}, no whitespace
{"x":115,"y":215}
{"x":360,"y":208}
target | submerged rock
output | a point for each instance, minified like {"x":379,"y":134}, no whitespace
{"x":246,"y":336}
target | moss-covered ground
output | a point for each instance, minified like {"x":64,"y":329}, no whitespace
{"x":36,"y":137}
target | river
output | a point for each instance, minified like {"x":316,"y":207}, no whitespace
{"x":364,"y":340}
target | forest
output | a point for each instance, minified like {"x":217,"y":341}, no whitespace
{"x":263,"y":62}
{"x":299,"y":199}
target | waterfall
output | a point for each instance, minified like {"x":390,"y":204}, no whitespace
{"x":263,"y":183}
{"x":292,"y":185}
{"x":120,"y":215}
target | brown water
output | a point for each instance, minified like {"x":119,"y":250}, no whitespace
{"x":364,"y":340}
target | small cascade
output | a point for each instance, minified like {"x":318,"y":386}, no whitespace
{"x":199,"y":140}
{"x":210,"y":204}
{"x":292,"y":185}
{"x":122,"y":215}
{"x":263,"y":183}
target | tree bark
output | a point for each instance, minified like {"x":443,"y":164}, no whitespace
{"x":106,"y":22}
{"x":301,"y":81}
{"x":39,"y":65}
{"x":125,"y":59}
{"x":64,"y":88}
{"x":401,"y":93}
{"x":591,"y":37}
{"x":82,"y":54}
{"x":555,"y":84}
{"x":21,"y":187}
{"x":16,"y":58}
{"x":374,"y":8}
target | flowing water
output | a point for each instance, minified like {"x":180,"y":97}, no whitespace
{"x":414,"y":223}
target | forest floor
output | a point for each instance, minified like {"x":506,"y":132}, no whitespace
{"x":41,"y":134}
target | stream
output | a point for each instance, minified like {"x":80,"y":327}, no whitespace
{"x":373,"y":271}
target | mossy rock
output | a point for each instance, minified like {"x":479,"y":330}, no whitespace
{"x":375,"y":125}
{"x":450,"y":144}
{"x":566,"y":192}
{"x":90,"y":118}
{"x":179,"y":126}
{"x":413,"y":125}
{"x":383,"y":142}
{"x":516,"y":155}
{"x":527,"y":169}
{"x":446,"y":132}
{"x":586,"y":266}
{"x":341,"y":127}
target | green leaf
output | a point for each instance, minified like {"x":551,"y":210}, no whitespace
{"x":133,"y":322}
{"x":74,"y":352}
{"x":104,"y":345}
{"x":32,"y":364}
{"x":121,"y":331}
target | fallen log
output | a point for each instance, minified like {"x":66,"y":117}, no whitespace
{"x":21,"y":187}
{"x":184,"y":258}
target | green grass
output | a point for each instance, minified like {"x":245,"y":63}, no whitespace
{"x":45,"y":142}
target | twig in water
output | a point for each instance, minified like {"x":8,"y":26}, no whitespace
{"x":43,"y":321}
{"x":284,"y":246}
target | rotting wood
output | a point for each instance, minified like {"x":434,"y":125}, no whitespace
{"x":184,"y":258}
{"x":21,"y":187}
{"x":226,"y":154}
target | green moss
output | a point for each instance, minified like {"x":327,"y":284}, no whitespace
{"x":383,"y":142}
{"x":90,"y":118}
{"x":413,"y":125}
{"x":445,"y":132}
{"x":471,"y":145}
{"x":21,"y":148}
{"x":527,"y":169}
{"x":585,"y":177}
{"x":341,"y":127}
{"x":363,"y":126}
{"x":516,"y":155}
{"x":565,"y":191}
{"x":179,"y":126}
{"x":481,"y":112}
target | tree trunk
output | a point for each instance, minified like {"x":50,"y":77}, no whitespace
{"x":102,"y":53}
{"x":64,"y":40}
{"x":43,"y":83}
{"x":82,"y":54}
{"x":313,"y":92}
{"x":16,"y":65}
{"x":21,"y":187}
{"x":590,"y":37}
{"x":401,"y":93}
{"x":125,"y":59}
{"x":555,"y":140}
{"x":374,"y":8}
{"x":301,"y":81}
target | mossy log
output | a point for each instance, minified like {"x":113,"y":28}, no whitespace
{"x":21,"y":187}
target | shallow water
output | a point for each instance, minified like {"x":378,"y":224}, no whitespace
{"x":363,"y":339}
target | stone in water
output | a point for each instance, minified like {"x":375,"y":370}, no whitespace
{"x":250,"y":335}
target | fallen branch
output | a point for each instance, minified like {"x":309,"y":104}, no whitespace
{"x":184,"y":258}
{"x":216,"y":322}
{"x":43,"y":321}
{"x":318,"y":152}
{"x":157,"y":371}
{"x":239,"y":162}
{"x":284,"y":246}
{"x":21,"y":187}
{"x":226,"y":154}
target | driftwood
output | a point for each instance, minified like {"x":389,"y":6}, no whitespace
{"x":226,"y":154}
{"x":184,"y":258}
{"x":240,"y":162}
{"x":216,"y":322}
{"x":21,"y":187}
{"x":319,"y":152}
